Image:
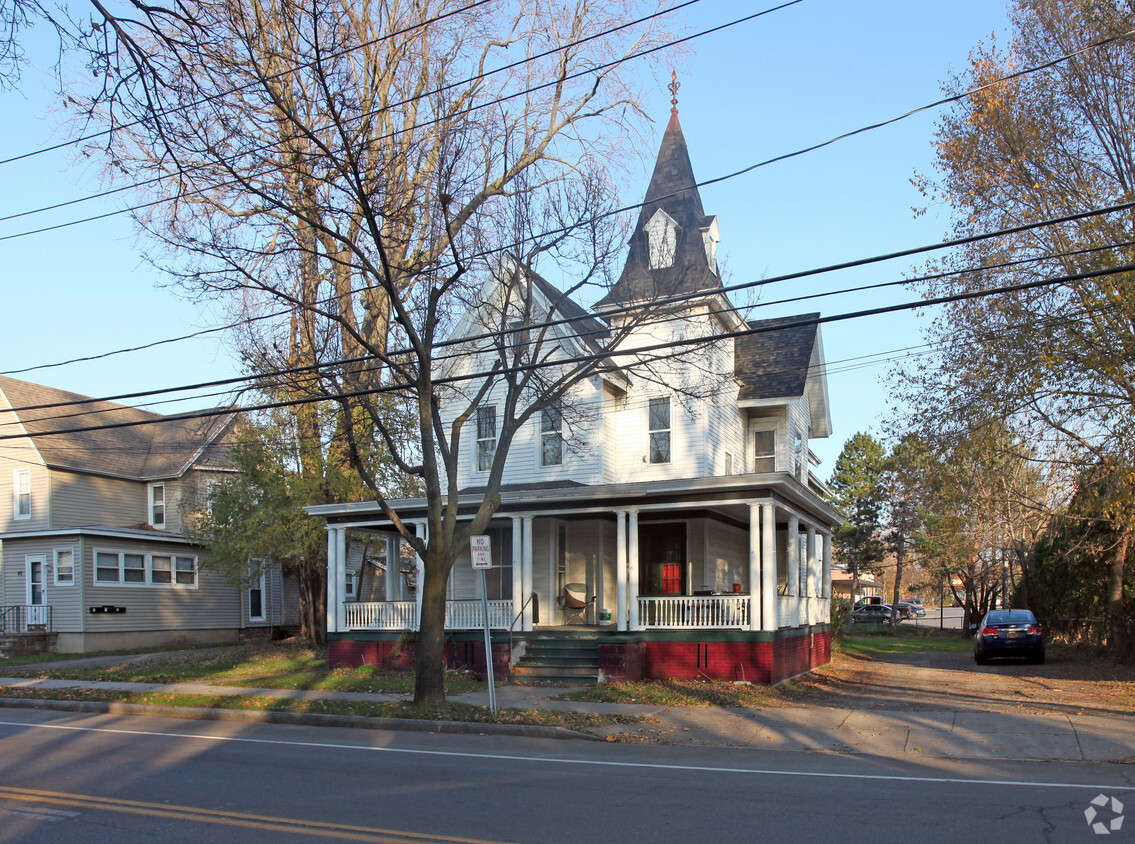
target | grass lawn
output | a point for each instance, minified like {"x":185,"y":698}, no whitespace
{"x":368,"y":709}
{"x":688,"y":693}
{"x":870,"y":640}
{"x":273,"y":665}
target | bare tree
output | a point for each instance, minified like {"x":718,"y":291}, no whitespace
{"x":357,"y":168}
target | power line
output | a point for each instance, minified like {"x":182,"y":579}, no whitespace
{"x":599,"y":357}
{"x":524,"y":92}
{"x":679,"y":299}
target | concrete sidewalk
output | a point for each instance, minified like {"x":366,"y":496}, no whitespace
{"x":912,"y":734}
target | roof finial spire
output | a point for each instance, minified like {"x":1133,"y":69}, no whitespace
{"x":674,"y":86}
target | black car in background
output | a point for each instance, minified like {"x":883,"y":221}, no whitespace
{"x":1008,"y":633}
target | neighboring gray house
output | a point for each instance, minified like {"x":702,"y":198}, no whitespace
{"x":93,"y":554}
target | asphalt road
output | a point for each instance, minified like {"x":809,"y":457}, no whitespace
{"x":66,"y":777}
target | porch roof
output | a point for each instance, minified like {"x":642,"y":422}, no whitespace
{"x":730,"y":491}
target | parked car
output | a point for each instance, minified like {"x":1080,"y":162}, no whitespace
{"x":868,"y":600}
{"x":909,"y":610}
{"x":1008,"y":633}
{"x":916,"y":601}
{"x":874,"y":613}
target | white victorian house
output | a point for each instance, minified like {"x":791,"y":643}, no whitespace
{"x":662,"y":519}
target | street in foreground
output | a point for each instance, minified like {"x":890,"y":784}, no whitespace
{"x":67,"y":777}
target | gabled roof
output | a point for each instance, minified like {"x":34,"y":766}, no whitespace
{"x":673,"y":189}
{"x":773,"y":361}
{"x":162,"y":448}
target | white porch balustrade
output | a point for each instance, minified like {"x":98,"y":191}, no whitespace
{"x":700,"y":612}
{"x":382,"y":615}
{"x":403,"y":615}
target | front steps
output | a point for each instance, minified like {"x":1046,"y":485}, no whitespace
{"x":559,"y":658}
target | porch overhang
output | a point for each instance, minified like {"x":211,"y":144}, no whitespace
{"x":603,"y":499}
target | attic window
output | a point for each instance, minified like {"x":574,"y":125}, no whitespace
{"x":662,"y":232}
{"x":158,"y":505}
{"x":710,"y":238}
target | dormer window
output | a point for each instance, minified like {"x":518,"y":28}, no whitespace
{"x":662,"y":232}
{"x":710,"y":238}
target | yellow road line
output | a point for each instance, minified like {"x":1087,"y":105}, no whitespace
{"x":296,"y":826}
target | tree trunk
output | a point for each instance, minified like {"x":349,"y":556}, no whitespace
{"x":900,"y":553}
{"x":1117,"y":643}
{"x":429,"y":686}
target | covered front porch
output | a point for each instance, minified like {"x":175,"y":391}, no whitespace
{"x":742,"y":553}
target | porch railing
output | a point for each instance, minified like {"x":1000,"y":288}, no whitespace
{"x":20,"y":618}
{"x":699,"y":612}
{"x":403,"y":615}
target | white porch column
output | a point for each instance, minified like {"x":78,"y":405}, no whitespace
{"x":333,"y":566}
{"x":827,"y":552}
{"x":633,"y":621}
{"x":768,"y":566}
{"x":755,"y":566}
{"x":810,"y":547}
{"x":420,"y":531}
{"x":393,"y":563}
{"x":341,"y":578}
{"x":621,"y":570}
{"x":526,"y":566}
{"x":793,"y":549}
{"x":518,"y":596}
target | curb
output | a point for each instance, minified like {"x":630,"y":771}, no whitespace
{"x":265,"y":716}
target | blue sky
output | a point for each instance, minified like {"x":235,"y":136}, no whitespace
{"x":785,"y":81}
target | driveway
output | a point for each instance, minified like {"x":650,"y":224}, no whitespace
{"x":952,"y":681}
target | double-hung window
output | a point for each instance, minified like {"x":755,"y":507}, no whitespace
{"x":486,"y":437}
{"x":552,"y":435}
{"x":158,"y":505}
{"x":131,"y":568}
{"x":64,"y":567}
{"x":764,"y":449}
{"x":22,"y":493}
{"x":659,"y":428}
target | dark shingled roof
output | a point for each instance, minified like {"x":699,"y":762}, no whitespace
{"x":773,"y":362}
{"x":672,"y":189}
{"x":590,"y":330}
{"x":162,"y":448}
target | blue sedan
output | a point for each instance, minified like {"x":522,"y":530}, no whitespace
{"x":1009,"y":633}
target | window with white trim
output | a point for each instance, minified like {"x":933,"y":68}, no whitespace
{"x":552,"y":435}
{"x":658,"y":425}
{"x":64,"y":566}
{"x":256,"y":596}
{"x":728,"y":463}
{"x":21,"y":493}
{"x":799,"y":458}
{"x":764,"y":448}
{"x":158,"y":505}
{"x":131,"y":568}
{"x":486,"y":437}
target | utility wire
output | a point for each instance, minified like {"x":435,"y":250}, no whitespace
{"x":243,"y":180}
{"x":398,"y":104}
{"x":597,"y":358}
{"x":684,"y":298}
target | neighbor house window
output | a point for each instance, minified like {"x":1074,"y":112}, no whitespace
{"x":486,"y":437}
{"x":131,"y":568}
{"x":256,"y":594}
{"x":728,"y":463}
{"x":659,"y":428}
{"x":64,"y":567}
{"x":22,"y":493}
{"x":764,"y":450}
{"x":552,"y":435}
{"x":158,"y":505}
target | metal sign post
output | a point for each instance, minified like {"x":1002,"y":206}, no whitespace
{"x":481,"y":550}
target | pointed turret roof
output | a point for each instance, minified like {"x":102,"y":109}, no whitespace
{"x":673,"y":190}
